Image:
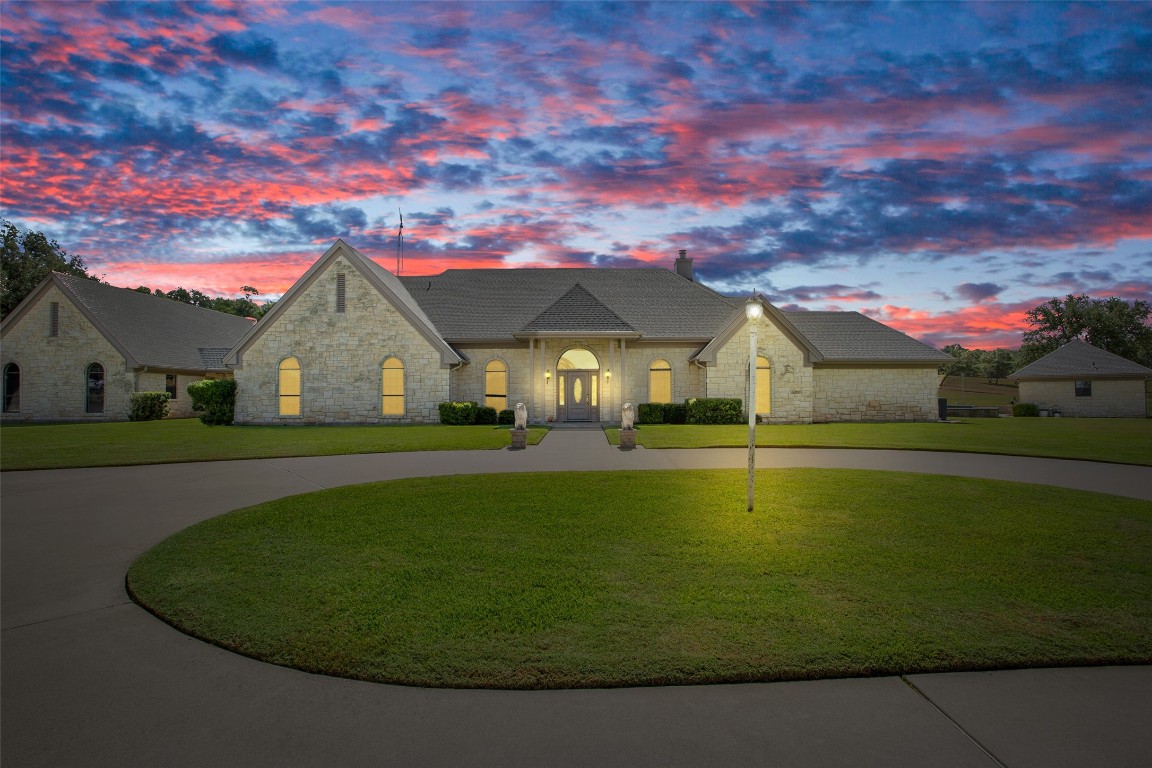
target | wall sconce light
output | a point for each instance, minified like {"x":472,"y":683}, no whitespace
{"x":547,"y":374}
{"x":608,"y":374}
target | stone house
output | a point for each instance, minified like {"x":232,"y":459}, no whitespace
{"x":1079,"y":379}
{"x":76,"y":349}
{"x":352,"y":343}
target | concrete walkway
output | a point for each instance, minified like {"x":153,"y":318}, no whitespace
{"x":90,"y":679}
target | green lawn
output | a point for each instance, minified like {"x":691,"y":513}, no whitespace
{"x":50,"y":446}
{"x":640,"y":578}
{"x":1127,"y":441}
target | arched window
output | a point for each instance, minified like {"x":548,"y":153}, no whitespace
{"x":94,"y":389}
{"x":392,"y":387}
{"x":578,"y":359}
{"x":496,"y":385}
{"x":763,"y":385}
{"x":11,"y":388}
{"x":289,"y":387}
{"x":660,"y":382}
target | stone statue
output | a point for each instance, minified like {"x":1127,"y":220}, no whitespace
{"x":627,"y":417}
{"x":521,"y":416}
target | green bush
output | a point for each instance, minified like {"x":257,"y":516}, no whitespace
{"x":1025,"y":409}
{"x":650,"y":413}
{"x":216,"y":398}
{"x":715,"y":410}
{"x":675,"y":413}
{"x":486,"y":415}
{"x":148,"y":406}
{"x":506,"y":416}
{"x":458,"y":414}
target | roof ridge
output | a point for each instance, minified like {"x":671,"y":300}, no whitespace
{"x":580,"y":301}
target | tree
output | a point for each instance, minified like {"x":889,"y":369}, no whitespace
{"x":1118,"y":326}
{"x":244,"y":307}
{"x":28,"y":258}
{"x":998,"y":364}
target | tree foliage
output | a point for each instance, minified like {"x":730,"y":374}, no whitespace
{"x":244,"y":307}
{"x":991,"y":364}
{"x":28,"y":258}
{"x":1121,"y":327}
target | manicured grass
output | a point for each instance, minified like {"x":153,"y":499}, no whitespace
{"x":641,"y":578}
{"x":1125,"y":441}
{"x":50,"y":446}
{"x":977,"y":391}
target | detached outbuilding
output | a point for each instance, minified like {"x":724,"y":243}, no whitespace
{"x":1079,"y":379}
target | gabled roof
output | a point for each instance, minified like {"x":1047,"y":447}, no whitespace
{"x":499,"y":304}
{"x":849,"y":337}
{"x":1079,"y":359}
{"x":578,"y":311}
{"x":389,"y":287}
{"x":149,"y":331}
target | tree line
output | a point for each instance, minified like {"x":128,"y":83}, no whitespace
{"x":28,"y":257}
{"x":1113,"y":324}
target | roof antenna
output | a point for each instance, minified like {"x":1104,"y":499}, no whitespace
{"x":400,"y":244}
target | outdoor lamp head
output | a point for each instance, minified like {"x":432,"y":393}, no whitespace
{"x":753,"y":309}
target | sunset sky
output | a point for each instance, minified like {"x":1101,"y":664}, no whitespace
{"x":941,"y":168}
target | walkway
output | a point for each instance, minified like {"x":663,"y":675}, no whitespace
{"x":91,"y":679}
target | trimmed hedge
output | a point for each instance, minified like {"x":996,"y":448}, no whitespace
{"x":675,"y":413}
{"x":458,"y":414}
{"x":216,"y":398}
{"x":1025,"y":409}
{"x":715,"y":410}
{"x":650,"y":413}
{"x":506,"y":416}
{"x":148,"y":406}
{"x":486,"y":415}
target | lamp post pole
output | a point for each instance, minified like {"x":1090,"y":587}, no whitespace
{"x":752,"y":310}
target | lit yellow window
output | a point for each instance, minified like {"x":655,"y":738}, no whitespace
{"x":763,"y":385}
{"x":496,"y":385}
{"x":290,"y":387}
{"x":660,"y":382}
{"x":392,"y":387}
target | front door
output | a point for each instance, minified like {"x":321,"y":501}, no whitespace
{"x":578,"y":396}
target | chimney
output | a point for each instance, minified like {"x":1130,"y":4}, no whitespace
{"x":684,"y":265}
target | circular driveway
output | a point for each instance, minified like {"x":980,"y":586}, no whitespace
{"x":89,"y":678}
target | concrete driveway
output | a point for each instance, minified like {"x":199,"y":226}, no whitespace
{"x":90,"y":679}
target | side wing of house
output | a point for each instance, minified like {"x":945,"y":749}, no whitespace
{"x":342,"y":346}
{"x":58,"y":365}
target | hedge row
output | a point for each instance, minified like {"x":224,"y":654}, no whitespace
{"x":148,"y":406}
{"x":1025,"y":409}
{"x":698,"y":410}
{"x":457,"y":414}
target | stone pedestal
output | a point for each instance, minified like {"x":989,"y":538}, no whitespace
{"x":627,"y":439}
{"x":519,"y":439}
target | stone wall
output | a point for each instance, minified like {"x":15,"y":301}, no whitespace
{"x":1115,"y":398}
{"x":53,"y":368}
{"x":791,"y":388}
{"x":875,"y":394}
{"x":340,"y":358}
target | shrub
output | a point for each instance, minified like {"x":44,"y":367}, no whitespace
{"x":216,"y":398}
{"x":486,"y":415}
{"x":458,"y":414}
{"x":1025,"y":409}
{"x":715,"y":410}
{"x":148,"y":406}
{"x":675,"y":413}
{"x":506,"y":416}
{"x":650,"y":413}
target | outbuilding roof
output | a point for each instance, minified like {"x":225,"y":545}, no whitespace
{"x":152,"y":331}
{"x":1080,"y":360}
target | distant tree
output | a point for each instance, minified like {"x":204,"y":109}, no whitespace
{"x":998,"y":363}
{"x":1118,"y":326}
{"x":244,"y":307}
{"x":28,"y":258}
{"x":967,"y":362}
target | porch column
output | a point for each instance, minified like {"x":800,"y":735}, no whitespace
{"x":531,"y":379}
{"x":624,"y":371}
{"x":544,"y":379}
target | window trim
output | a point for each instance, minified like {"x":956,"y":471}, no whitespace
{"x":299,"y":395}
{"x":489,"y":397}
{"x":1083,"y":388}
{"x":88,"y":400}
{"x":391,"y":397}
{"x":8,"y":394}
{"x":652,"y":371}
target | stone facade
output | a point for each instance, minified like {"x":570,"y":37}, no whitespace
{"x":859,"y":393}
{"x":340,"y":354}
{"x":792,"y":380}
{"x":1111,"y":398}
{"x":181,"y":406}
{"x":53,"y":369}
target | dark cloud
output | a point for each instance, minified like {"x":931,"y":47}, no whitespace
{"x":246,"y":49}
{"x":977,"y":292}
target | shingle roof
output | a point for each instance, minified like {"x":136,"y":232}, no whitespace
{"x":1080,"y":359}
{"x":157,"y":332}
{"x":578,"y":311}
{"x":851,"y":336}
{"x":498,"y":304}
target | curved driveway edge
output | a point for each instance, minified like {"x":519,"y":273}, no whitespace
{"x":88,"y":678}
